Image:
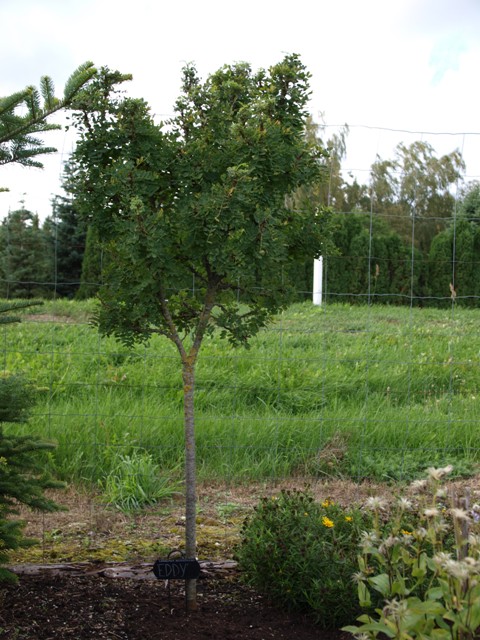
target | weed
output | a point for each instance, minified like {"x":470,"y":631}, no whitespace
{"x":426,"y":590}
{"x":136,"y":482}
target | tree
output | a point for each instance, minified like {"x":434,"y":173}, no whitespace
{"x":202,"y":198}
{"x":18,"y":131}
{"x":469,"y":205}
{"x":372,"y":263}
{"x":22,"y":117}
{"x":333,"y":191}
{"x":415,"y":188}
{"x":67,"y":236}
{"x":67,"y":244}
{"x":22,"y":480}
{"x":453,"y":265}
{"x":25,"y":265}
{"x":91,"y":271}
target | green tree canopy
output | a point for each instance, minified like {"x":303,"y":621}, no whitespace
{"x":469,"y":205}
{"x":66,"y":231}
{"x":372,"y":263}
{"x":454,"y":260}
{"x":25,"y":259}
{"x":193,"y":215}
{"x":204,"y":198}
{"x":413,"y":191}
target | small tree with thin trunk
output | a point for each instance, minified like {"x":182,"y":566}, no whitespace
{"x":203,"y":200}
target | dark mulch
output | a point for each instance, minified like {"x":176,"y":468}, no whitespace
{"x":53,"y":607}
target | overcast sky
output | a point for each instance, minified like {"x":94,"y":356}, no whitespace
{"x":397,"y":64}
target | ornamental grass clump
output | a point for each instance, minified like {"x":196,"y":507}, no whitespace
{"x":425,"y":566}
{"x":302,"y":554}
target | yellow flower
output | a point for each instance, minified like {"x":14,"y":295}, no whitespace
{"x":328,"y":503}
{"x":305,"y":514}
{"x":327,"y":522}
{"x":405,"y":532}
{"x":348,"y":518}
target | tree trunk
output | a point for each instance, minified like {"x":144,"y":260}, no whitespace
{"x":188,"y":374}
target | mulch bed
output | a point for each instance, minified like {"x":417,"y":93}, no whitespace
{"x":58,"y":605}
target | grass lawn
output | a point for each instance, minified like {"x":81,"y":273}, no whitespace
{"x":353,"y":391}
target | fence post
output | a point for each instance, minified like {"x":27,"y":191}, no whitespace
{"x":317,"y":280}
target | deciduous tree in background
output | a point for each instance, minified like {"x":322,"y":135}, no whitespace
{"x":469,"y":206}
{"x":414,"y":191}
{"x":203,"y":201}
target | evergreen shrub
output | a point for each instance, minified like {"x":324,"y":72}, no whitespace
{"x":22,"y":477}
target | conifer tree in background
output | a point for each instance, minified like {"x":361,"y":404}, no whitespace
{"x":67,"y":239}
{"x":67,"y":235}
{"x":22,"y":480}
{"x":454,"y":259}
{"x":469,"y":207}
{"x":91,"y":270}
{"x":25,"y":261}
{"x":372,"y":263}
{"x":24,"y":115}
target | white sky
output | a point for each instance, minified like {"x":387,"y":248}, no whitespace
{"x":401,"y":64}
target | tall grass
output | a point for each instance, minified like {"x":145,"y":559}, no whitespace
{"x":380,"y":392}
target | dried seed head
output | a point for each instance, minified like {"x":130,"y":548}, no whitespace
{"x":438,"y":474}
{"x":375,"y":503}
{"x":460,"y":514}
{"x":419,"y":485}
{"x":405,"y":504}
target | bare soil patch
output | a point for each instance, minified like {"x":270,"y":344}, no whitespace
{"x":90,"y":607}
{"x":89,"y":603}
{"x":89,"y":530}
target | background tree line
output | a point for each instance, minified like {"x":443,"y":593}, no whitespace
{"x":58,"y":257}
{"x":404,"y":237}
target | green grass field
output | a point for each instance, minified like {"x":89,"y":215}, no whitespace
{"x":379,"y":392}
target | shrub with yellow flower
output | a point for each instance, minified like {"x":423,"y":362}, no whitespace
{"x":302,"y":554}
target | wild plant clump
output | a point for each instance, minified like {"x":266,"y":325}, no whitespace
{"x":136,"y":482}
{"x":425,"y":566}
{"x":302,"y":554}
